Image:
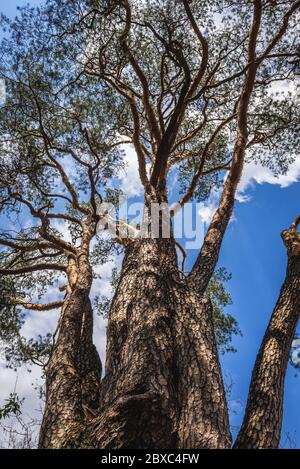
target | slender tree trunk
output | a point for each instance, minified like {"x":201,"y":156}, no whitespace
{"x":263,"y":417}
{"x":203,"y":417}
{"x":74,"y":369}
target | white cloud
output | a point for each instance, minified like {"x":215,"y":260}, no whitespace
{"x":40,"y":322}
{"x":62,"y":227}
{"x":99,"y":338}
{"x":256,"y":173}
{"x":242,"y":197}
{"x":207,"y":209}
{"x":129,"y":178}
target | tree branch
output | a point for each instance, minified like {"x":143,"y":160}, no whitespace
{"x":204,"y":45}
{"x":208,"y":256}
{"x":167,"y":141}
{"x":27,"y":248}
{"x":59,"y":243}
{"x":191,"y":189}
{"x":153,"y":125}
{"x":33,"y":268}
{"x":37,"y":306}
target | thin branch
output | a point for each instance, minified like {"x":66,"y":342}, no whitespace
{"x":44,"y":225}
{"x":191,"y":189}
{"x":25,"y":247}
{"x":33,"y":268}
{"x":154,"y":128}
{"x":204,"y":45}
{"x":37,"y":306}
{"x":257,"y":60}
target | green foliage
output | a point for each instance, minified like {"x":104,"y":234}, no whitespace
{"x":12,"y":407}
{"x":16,"y":349}
{"x":225,"y":324}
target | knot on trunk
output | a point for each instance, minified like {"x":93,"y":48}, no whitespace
{"x":291,"y":239}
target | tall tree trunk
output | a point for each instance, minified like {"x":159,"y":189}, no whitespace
{"x":138,"y":397}
{"x":163,"y":385}
{"x":74,"y":369}
{"x":263,"y":417}
{"x":203,"y":416}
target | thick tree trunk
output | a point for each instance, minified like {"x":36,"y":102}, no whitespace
{"x":139,"y":347}
{"x":163,"y":386}
{"x":263,"y":417}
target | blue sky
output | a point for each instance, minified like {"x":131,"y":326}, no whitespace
{"x":254,"y":253}
{"x":9,"y":7}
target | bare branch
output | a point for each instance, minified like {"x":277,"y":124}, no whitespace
{"x":27,"y":247}
{"x":154,"y":128}
{"x":204,"y":45}
{"x":37,"y":306}
{"x":33,"y":268}
{"x":190,"y":191}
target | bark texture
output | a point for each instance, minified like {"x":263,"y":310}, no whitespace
{"x":163,"y":385}
{"x":74,"y":370}
{"x":139,"y":347}
{"x":203,"y":418}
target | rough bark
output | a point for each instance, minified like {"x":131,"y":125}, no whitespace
{"x":74,"y":369}
{"x":263,"y":416}
{"x":163,"y":385}
{"x":203,"y":417}
{"x":139,"y":346}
